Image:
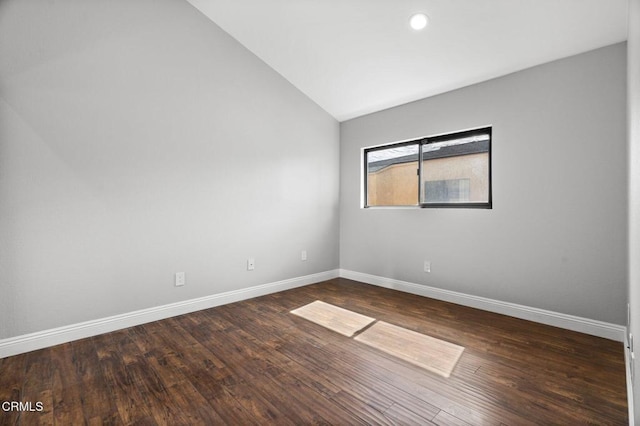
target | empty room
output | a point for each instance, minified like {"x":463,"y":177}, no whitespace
{"x":319,"y":212}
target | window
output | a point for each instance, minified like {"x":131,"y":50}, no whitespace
{"x":451,"y":170}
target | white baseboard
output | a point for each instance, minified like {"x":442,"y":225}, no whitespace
{"x":42,"y":339}
{"x":569,"y":322}
{"x":630,"y":373}
{"x":38,"y":340}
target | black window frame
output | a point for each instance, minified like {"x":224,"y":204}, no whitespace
{"x":421,"y":142}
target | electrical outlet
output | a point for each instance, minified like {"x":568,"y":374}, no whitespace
{"x":181,"y":279}
{"x":251,"y":264}
{"x":427,"y":266}
{"x":303,"y":255}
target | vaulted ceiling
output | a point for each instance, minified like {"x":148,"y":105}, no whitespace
{"x":354,"y":57}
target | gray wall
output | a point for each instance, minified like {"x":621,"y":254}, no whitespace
{"x":556,"y":236}
{"x":634,"y":188}
{"x":137,"y":139}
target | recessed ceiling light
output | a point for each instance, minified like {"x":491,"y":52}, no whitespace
{"x":418,"y":21}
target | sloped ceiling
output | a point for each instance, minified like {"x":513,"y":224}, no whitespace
{"x":354,"y":57}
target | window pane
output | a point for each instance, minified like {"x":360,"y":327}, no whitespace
{"x":446,"y":191}
{"x":392,"y":178}
{"x":456,"y":170}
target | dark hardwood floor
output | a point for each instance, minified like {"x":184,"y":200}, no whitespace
{"x":254,"y":363}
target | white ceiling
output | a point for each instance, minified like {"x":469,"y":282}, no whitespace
{"x":354,"y":57}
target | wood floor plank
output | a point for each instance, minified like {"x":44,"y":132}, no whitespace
{"x":93,"y":387}
{"x":254,"y":363}
{"x":66,"y":388}
{"x":294,"y":399}
{"x":12,"y":376}
{"x":192,"y":370}
{"x":404,"y":416}
{"x":445,"y":419}
{"x":37,"y":388}
{"x":123,"y":393}
{"x":315,"y":408}
{"x":366,"y":413}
